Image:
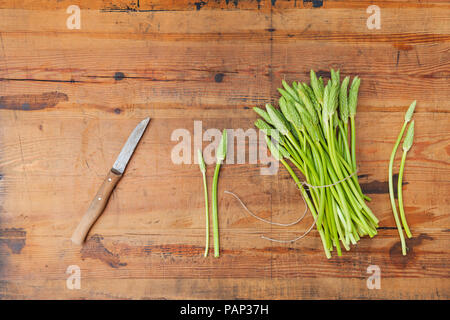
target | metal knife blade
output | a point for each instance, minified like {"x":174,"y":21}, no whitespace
{"x":128,"y":149}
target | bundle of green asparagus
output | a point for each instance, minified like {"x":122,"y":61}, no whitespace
{"x":311,"y":130}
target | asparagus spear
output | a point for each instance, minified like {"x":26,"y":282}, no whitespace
{"x":407,"y":144}
{"x":220,"y":156}
{"x":408,"y":117}
{"x":202,"y":166}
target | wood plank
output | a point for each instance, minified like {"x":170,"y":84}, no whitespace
{"x":158,"y":255}
{"x":401,"y":22}
{"x":320,"y":288}
{"x":194,"y":5}
{"x":220,"y":79}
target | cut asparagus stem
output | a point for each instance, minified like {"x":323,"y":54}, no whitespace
{"x":215,"y":211}
{"x":202,"y":166}
{"x":220,"y":156}
{"x":407,"y":143}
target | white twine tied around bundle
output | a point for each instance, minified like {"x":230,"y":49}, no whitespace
{"x":303,"y":183}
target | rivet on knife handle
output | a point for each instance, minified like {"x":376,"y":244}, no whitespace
{"x":98,"y":204}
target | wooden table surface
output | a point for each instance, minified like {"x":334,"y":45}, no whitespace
{"x":70,"y":97}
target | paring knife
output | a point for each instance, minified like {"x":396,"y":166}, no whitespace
{"x":101,"y":198}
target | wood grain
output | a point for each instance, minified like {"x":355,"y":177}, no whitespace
{"x":69,"y":98}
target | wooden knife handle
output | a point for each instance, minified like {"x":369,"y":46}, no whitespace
{"x":96,"y":208}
